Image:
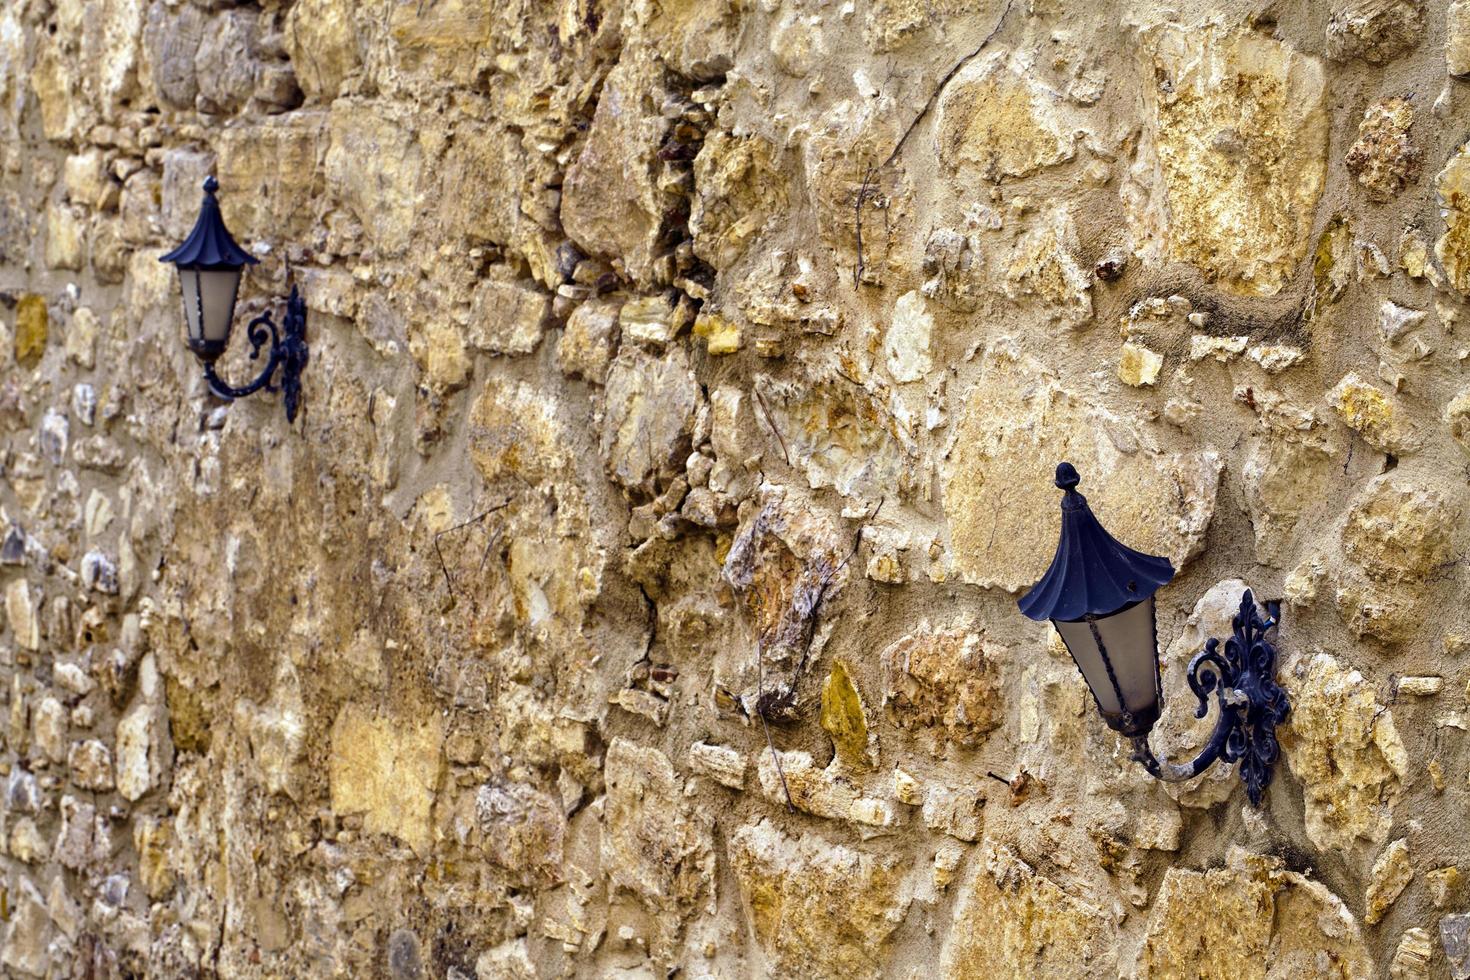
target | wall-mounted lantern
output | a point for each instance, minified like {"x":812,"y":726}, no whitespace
{"x":210,"y":264}
{"x":1099,"y":595}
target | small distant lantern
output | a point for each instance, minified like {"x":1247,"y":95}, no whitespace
{"x":1099,"y":594}
{"x":210,"y":264}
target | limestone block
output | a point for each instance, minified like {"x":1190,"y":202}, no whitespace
{"x":1384,"y":159}
{"x":1343,"y":748}
{"x":31,"y":321}
{"x":649,"y":416}
{"x":1138,"y":366}
{"x":442,"y":41}
{"x":944,"y":687}
{"x":1457,"y":38}
{"x":90,"y":763}
{"x":507,"y":316}
{"x":223,"y":64}
{"x":1041,"y":271}
{"x":1453,"y":247}
{"x":171,"y":41}
{"x":27,"y":939}
{"x":653,"y":845}
{"x":1235,"y":200}
{"x":996,"y":121}
{"x":611,"y":205}
{"x":515,"y":430}
{"x":21,"y":613}
{"x":374,"y":164}
{"x":270,"y":177}
{"x":1412,"y":957}
{"x":819,"y":910}
{"x":1457,"y":417}
{"x":1397,"y":537}
{"x":524,"y":831}
{"x":1283,"y":478}
{"x":907,"y":343}
{"x":1374,"y":30}
{"x":586,"y":347}
{"x":387,"y":770}
{"x":1251,"y":919}
{"x":322,"y":41}
{"x":1390,"y":876}
{"x":738,"y":188}
{"x":1017,"y":423}
{"x":721,"y":763}
{"x":1012,"y":918}
{"x":793,"y":778}
{"x":845,"y":720}
{"x":839,"y":436}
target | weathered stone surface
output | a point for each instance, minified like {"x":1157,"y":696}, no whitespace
{"x":844,"y":718}
{"x":793,"y":779}
{"x":738,"y":189}
{"x":1041,"y":271}
{"x":1283,"y":477}
{"x":321,"y":38}
{"x":943,"y":686}
{"x":1453,"y":247}
{"x":507,"y":316}
{"x":1251,"y":918}
{"x":1390,"y":876}
{"x":1412,"y":957}
{"x":524,"y":830}
{"x":1374,"y":414}
{"x":586,"y":346}
{"x":996,"y":122}
{"x":648,"y":418}
{"x":31,"y":321}
{"x":1384,"y":159}
{"x":387,"y":771}
{"x":1138,"y":366}
{"x":686,"y":383}
{"x":840,"y":437}
{"x":373,"y":166}
{"x":1375,"y":30}
{"x":1397,"y":537}
{"x":653,"y":846}
{"x":1341,"y":744}
{"x":281,"y":163}
{"x":611,"y":205}
{"x":1013,"y":918}
{"x":1237,"y":156}
{"x":1457,"y":38}
{"x":1454,"y":936}
{"x":816,"y":909}
{"x":1018,"y":422}
{"x":906,"y":345}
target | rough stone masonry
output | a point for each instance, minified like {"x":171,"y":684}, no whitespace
{"x":635,"y":595}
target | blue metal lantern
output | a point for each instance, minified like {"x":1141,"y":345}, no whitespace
{"x":1099,"y":594}
{"x":210,"y":264}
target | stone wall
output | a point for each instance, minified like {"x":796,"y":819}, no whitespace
{"x":635,"y":594}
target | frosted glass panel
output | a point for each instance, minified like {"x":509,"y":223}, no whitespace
{"x":1129,"y":639}
{"x":218,"y":287}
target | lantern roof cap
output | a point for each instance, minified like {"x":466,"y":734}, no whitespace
{"x":1092,"y":573}
{"x":210,"y":244}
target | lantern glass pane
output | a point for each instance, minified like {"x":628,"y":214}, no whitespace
{"x":210,"y":292}
{"x":1132,"y":649}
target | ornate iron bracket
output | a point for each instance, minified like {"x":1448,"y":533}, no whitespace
{"x":1243,"y":678}
{"x":289,"y":353}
